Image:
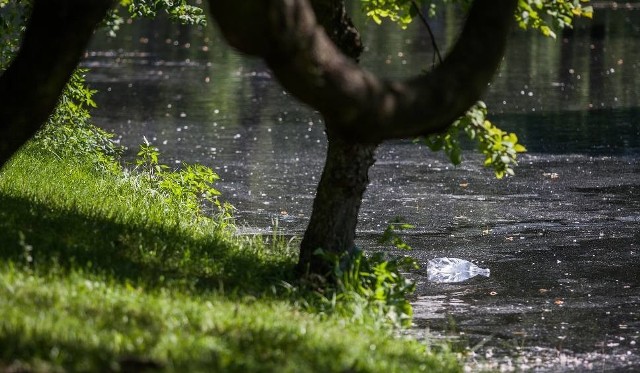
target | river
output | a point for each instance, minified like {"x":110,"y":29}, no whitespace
{"x":561,"y":238}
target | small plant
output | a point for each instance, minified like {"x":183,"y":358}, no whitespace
{"x":375,"y":286}
{"x":189,"y":187}
{"x":69,"y":132}
{"x":147,"y":161}
{"x":365,"y":288}
{"x":27,"y":250}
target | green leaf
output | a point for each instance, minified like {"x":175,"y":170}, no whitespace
{"x":519,"y":148}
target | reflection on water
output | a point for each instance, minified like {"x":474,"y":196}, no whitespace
{"x":561,"y":238}
{"x":428,"y":307}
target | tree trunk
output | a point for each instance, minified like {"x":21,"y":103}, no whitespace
{"x":345,"y":177}
{"x":332,"y":226}
{"x":56,"y":37}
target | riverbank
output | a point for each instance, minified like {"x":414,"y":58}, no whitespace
{"x":97,"y":274}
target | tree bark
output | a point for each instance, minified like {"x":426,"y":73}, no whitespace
{"x":332,"y":15}
{"x":334,"y":218}
{"x":56,"y":37}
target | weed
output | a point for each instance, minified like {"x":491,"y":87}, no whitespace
{"x":365,"y":289}
{"x":188,"y":187}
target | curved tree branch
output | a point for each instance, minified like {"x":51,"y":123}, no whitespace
{"x":359,"y":105}
{"x":56,"y":37}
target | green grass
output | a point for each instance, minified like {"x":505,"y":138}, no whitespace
{"x":72,"y":214}
{"x":97,"y":273}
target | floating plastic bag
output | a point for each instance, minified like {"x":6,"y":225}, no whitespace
{"x":453,"y":270}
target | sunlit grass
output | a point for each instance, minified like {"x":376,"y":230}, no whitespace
{"x":68,"y":212}
{"x":97,"y":274}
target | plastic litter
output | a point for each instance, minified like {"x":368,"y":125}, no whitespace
{"x":446,"y":270}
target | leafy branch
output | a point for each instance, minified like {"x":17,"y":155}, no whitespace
{"x":531,"y":14}
{"x":543,"y":15}
{"x":177,"y":10}
{"x":13,"y":20}
{"x":499,"y":147}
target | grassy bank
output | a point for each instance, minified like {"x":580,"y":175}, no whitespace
{"x":99,"y":273}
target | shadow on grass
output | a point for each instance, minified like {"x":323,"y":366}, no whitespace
{"x":71,"y":355}
{"x":142,"y":253}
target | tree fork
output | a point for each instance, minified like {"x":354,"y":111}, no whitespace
{"x":361,"y":110}
{"x":362,"y":106}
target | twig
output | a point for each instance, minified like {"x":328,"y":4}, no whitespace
{"x":426,"y":23}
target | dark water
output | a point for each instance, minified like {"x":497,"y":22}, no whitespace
{"x":562,"y":237}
